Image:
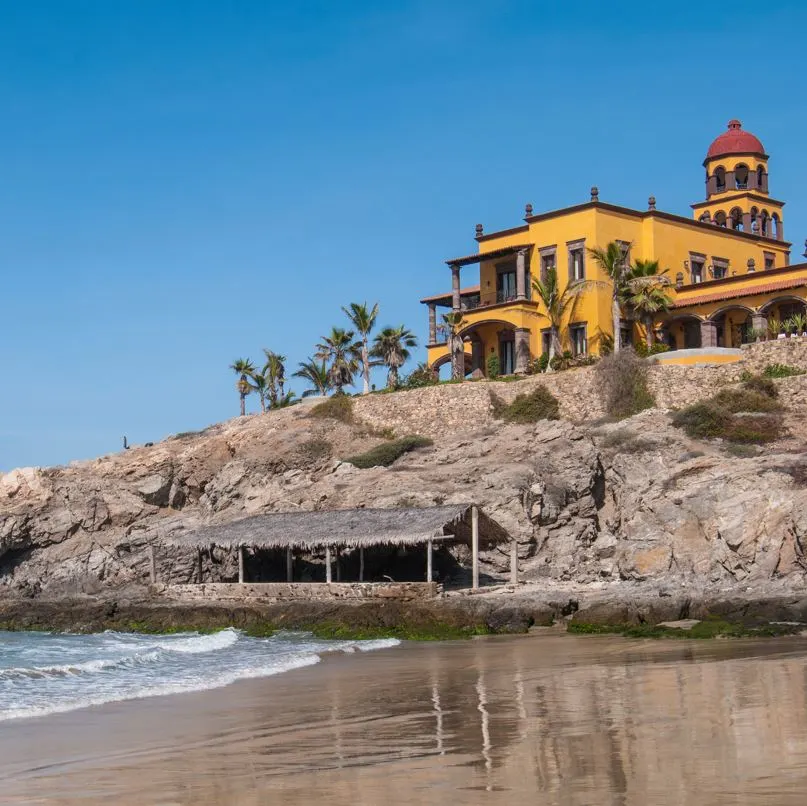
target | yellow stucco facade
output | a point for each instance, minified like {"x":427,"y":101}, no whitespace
{"x":727,"y":275}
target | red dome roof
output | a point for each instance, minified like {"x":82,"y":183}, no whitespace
{"x":735,"y":141}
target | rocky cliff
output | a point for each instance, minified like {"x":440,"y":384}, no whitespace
{"x":594,"y":506}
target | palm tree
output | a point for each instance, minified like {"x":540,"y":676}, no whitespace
{"x":390,"y":346}
{"x":275,"y":371}
{"x":613,"y":261}
{"x":454,"y":322}
{"x":316,"y":374}
{"x":343,"y":353}
{"x":645,"y":295}
{"x":245,"y":369}
{"x":364,"y":321}
{"x":557,"y":303}
{"x":259,"y":384}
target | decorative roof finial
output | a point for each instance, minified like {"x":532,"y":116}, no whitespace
{"x":752,"y":264}
{"x":527,"y":210}
{"x":651,"y":203}
{"x":479,"y":230}
{"x":754,"y":225}
{"x":595,"y":193}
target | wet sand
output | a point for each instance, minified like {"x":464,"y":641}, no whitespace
{"x":544,"y":719}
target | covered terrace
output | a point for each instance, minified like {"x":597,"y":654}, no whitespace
{"x":354,"y":546}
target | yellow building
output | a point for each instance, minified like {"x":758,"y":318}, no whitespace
{"x":729,"y":265}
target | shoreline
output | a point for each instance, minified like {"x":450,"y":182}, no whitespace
{"x":499,"y":719}
{"x":636,"y":611}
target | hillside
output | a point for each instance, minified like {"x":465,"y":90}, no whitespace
{"x":595,"y":506}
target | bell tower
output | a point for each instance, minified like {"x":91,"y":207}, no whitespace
{"x":737,"y":195}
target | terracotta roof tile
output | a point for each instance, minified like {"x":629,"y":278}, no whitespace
{"x":746,"y":291}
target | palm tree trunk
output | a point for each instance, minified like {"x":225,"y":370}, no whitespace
{"x":263,"y":404}
{"x":457,"y":359}
{"x":616,"y":316}
{"x":650,"y":336}
{"x":554,"y":347}
{"x":365,"y":366}
{"x":243,"y":404}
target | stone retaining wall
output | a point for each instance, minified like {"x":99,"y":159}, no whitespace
{"x":305,"y":591}
{"x":455,"y":407}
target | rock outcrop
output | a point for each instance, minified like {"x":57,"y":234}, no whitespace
{"x":593,"y":507}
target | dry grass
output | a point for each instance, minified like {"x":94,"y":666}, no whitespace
{"x":338,"y":407}
{"x":623,"y":384}
{"x":540,"y":404}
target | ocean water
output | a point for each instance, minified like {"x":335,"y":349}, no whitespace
{"x":43,"y":673}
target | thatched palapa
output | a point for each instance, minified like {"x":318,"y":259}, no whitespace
{"x":347,"y":528}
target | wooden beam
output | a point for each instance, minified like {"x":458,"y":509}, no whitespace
{"x":361,"y":563}
{"x":199,"y":566}
{"x":289,"y":565}
{"x":475,"y":546}
{"x":152,"y":566}
{"x":338,"y":564}
{"x":429,"y":561}
{"x":241,"y":565}
{"x":327,"y":563}
{"x":514,"y":562}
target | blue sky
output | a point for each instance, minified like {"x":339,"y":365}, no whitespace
{"x":184,"y":183}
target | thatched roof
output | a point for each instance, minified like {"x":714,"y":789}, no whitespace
{"x":347,"y":528}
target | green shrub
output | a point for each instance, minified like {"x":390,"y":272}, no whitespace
{"x":538,"y":364}
{"x":540,"y":404}
{"x":736,"y":400}
{"x":315,"y":448}
{"x":643,"y":351}
{"x":385,"y":454}
{"x":623,"y":384}
{"x":493,"y":367}
{"x":420,"y":377}
{"x":338,"y":407}
{"x":737,"y":415}
{"x":761,"y":385}
{"x":563,"y":361}
{"x":781,"y":371}
{"x":703,"y":420}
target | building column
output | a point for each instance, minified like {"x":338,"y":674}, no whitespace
{"x":764,"y":186}
{"x":711,"y":186}
{"x":477,"y":355}
{"x":432,"y":323}
{"x":474,"y":548}
{"x":752,"y":179}
{"x":522,"y":348}
{"x":455,"y":287}
{"x":759,"y":322}
{"x":780,"y":230}
{"x":521,"y":274}
{"x":731,"y":182}
{"x":708,"y":334}
{"x":746,"y":222}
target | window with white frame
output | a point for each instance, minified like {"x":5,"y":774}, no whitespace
{"x":548,"y":256}
{"x":696,"y":263}
{"x":770,"y":260}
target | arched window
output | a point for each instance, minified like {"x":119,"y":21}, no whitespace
{"x":720,"y":179}
{"x":736,"y":219}
{"x":776,"y":227}
{"x":765,"y":224}
{"x":741,"y":176}
{"x":754,"y":219}
{"x":760,"y":172}
{"x":720,"y":218}
{"x":705,"y":218}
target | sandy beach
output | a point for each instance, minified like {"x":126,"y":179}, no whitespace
{"x":540,"y":719}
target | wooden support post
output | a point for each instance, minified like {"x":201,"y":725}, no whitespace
{"x":199,"y":568}
{"x":475,"y":545}
{"x":289,"y":565}
{"x":241,"y":565}
{"x":429,"y":561}
{"x":327,"y":563}
{"x":338,"y":565}
{"x":361,"y":563}
{"x":152,"y":566}
{"x":514,"y":562}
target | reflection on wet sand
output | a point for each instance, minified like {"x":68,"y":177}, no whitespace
{"x":538,"y":720}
